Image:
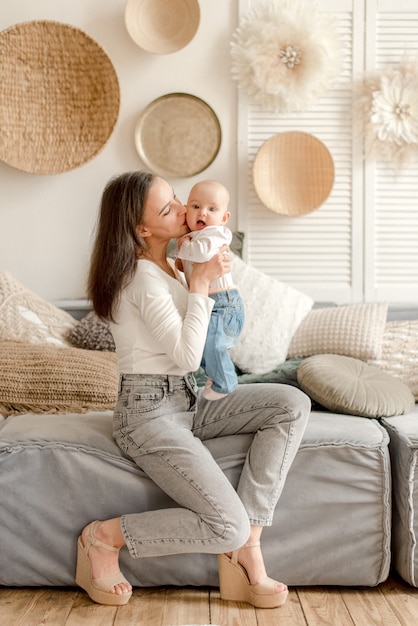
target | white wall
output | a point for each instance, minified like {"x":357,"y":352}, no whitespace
{"x":46,"y":221}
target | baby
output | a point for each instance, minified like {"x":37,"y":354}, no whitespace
{"x":207,"y":214}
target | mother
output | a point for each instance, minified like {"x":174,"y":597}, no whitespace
{"x":160,"y":420}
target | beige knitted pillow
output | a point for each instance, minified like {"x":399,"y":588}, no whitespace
{"x":49,"y":379}
{"x":400,"y":353}
{"x":24,"y":316}
{"x":354,"y":330}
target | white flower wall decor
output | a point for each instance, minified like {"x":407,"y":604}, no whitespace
{"x":286,"y":54}
{"x":386,"y":106}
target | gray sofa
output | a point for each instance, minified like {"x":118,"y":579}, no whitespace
{"x":333,"y":525}
{"x":58,"y":472}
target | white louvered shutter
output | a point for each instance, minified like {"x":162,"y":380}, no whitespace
{"x":340,"y":252}
{"x":391,"y":196}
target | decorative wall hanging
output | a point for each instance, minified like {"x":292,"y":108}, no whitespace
{"x":178,"y":135}
{"x":293,"y":173}
{"x":59,"y":97}
{"x":162,"y":27}
{"x":286,"y":54}
{"x":386,"y":107}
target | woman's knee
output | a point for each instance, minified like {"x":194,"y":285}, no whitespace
{"x":301,"y":402}
{"x":237,"y":530}
{"x":292,"y":400}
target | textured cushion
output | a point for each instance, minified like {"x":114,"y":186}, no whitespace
{"x":354,"y":330}
{"x":346,"y":385}
{"x":49,"y":379}
{"x":24,"y":316}
{"x":400,"y":353}
{"x":92,"y":333}
{"x":273,"y":311}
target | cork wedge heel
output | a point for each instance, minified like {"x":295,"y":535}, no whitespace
{"x":235,"y":585}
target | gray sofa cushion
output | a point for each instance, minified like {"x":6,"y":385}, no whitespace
{"x":59,"y":472}
{"x":403,"y":432}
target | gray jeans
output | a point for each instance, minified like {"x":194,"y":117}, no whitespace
{"x":161,"y":422}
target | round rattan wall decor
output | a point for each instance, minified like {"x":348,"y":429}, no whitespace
{"x":293,"y":173}
{"x":59,"y":97}
{"x":178,"y":135}
{"x":162,"y":27}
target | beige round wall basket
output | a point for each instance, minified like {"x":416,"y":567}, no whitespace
{"x":293,"y":173}
{"x":162,"y":26}
{"x":59,"y":97}
{"x":177,"y":135}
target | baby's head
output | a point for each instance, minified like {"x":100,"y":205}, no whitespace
{"x":207,"y":205}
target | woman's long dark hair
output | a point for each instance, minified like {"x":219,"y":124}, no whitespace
{"x":117,"y":245}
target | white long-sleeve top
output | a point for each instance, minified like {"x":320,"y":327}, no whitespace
{"x":201,"y":247}
{"x":160,"y":327}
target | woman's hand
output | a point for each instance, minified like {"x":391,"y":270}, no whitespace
{"x":179,"y":264}
{"x":204,"y":273}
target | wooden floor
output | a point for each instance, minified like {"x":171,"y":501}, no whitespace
{"x":391,"y":603}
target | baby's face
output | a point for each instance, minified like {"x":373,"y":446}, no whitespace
{"x":207,"y":205}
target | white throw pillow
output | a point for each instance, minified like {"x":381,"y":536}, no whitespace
{"x":273,"y":311}
{"x":24,"y":316}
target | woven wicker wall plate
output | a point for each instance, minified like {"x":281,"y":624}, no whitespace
{"x":293,"y":173}
{"x":162,"y":26}
{"x":59,"y":97}
{"x":178,"y":135}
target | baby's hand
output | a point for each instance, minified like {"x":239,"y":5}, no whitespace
{"x":181,"y":240}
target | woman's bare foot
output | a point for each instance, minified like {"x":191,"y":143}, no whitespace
{"x":252,"y":561}
{"x":104,"y":562}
